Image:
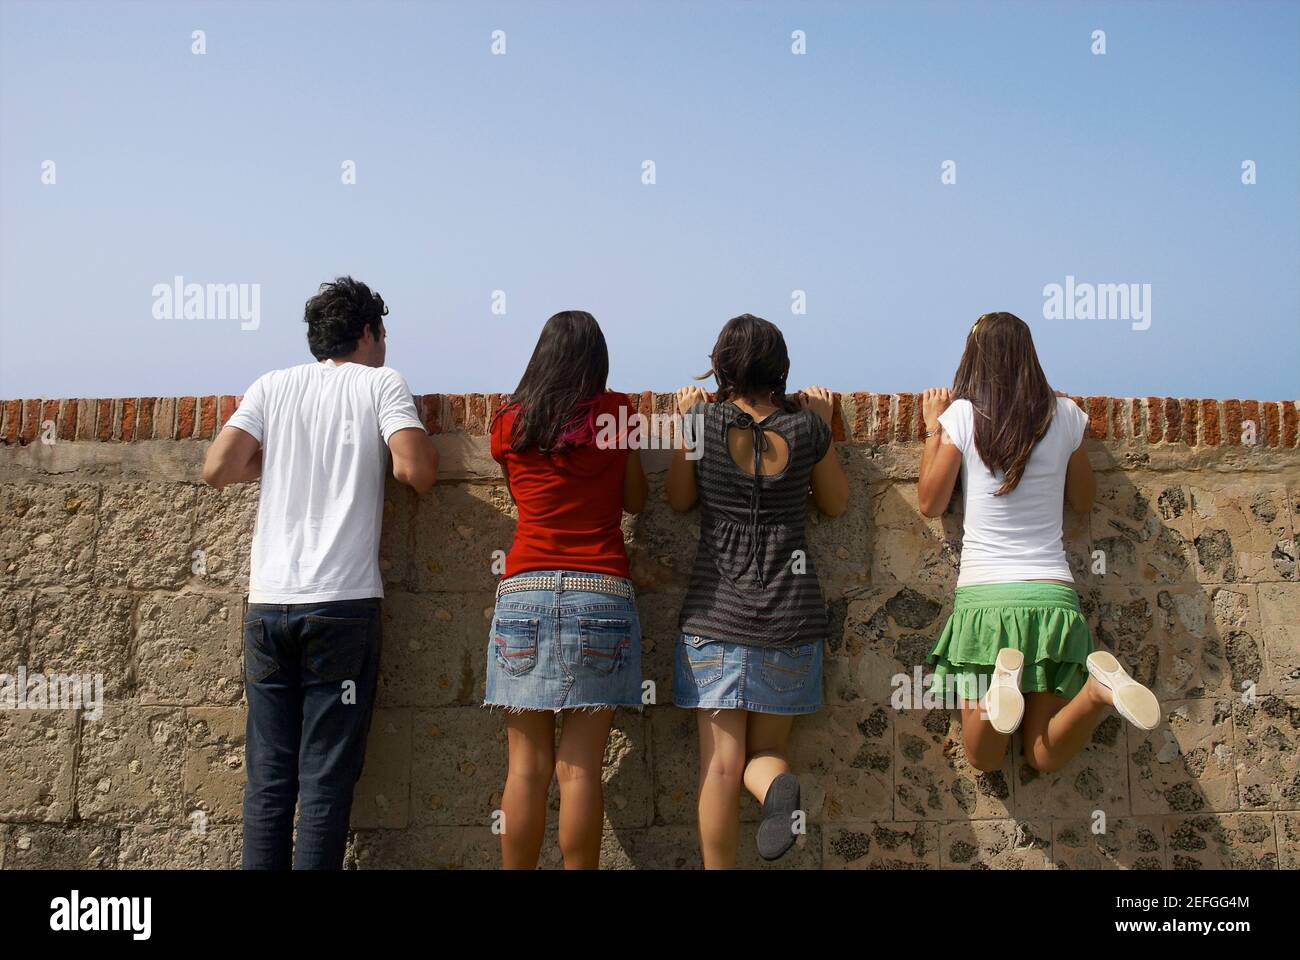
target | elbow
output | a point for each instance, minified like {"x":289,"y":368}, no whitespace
{"x":420,"y":480}
{"x":634,"y":500}
{"x":213,"y":475}
{"x":680,"y":504}
{"x":420,"y":475}
{"x":929,"y":509}
{"x":835,"y":508}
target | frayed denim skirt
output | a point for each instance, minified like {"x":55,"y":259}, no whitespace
{"x":724,"y":675}
{"x":562,"y":650}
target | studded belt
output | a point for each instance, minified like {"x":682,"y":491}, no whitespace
{"x":588,"y":582}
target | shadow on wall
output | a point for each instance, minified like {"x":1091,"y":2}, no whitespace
{"x":883,"y":787}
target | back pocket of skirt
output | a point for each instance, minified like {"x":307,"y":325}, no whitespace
{"x":604,"y":643}
{"x":515,"y":642}
{"x":785,"y":669}
{"x":703,"y":659}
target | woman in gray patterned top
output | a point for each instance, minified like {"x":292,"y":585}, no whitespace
{"x":754,"y":621}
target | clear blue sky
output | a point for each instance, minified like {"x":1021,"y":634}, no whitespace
{"x":775,"y":172}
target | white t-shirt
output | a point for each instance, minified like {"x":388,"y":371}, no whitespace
{"x":324,"y":429}
{"x":1016,"y":536}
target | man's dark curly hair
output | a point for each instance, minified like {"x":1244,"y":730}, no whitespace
{"x":338,"y":314}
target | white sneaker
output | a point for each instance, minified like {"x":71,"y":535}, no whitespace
{"x":1134,"y":702}
{"x":1003,"y":703}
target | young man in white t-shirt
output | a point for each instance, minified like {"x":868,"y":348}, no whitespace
{"x":318,"y":435}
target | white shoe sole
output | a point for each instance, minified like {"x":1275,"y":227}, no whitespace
{"x":1004,"y":704}
{"x":1134,"y":702}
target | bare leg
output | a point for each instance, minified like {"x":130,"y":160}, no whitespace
{"x":583,"y":736}
{"x":722,"y":769}
{"x":985,"y":747}
{"x":765,"y":738}
{"x":1055,"y":729}
{"x":531,"y":738}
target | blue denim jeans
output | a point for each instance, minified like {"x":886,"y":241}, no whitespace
{"x":310,"y":672}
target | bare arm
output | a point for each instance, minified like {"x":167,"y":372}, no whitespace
{"x":940,"y":461}
{"x":635,"y":486}
{"x":830,"y":487}
{"x":234,"y":457}
{"x":415,"y":459}
{"x":1080,"y":484}
{"x":680,"y":485}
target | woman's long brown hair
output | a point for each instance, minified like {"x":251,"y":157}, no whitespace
{"x":1000,"y":376}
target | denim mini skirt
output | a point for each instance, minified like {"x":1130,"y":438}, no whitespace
{"x":563,"y":649}
{"x":724,"y":675}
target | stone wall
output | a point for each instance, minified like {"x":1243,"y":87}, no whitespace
{"x":116,"y":560}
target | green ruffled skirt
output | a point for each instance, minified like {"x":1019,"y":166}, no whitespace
{"x":1041,"y":620}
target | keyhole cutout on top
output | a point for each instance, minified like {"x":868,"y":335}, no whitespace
{"x":775,"y":455}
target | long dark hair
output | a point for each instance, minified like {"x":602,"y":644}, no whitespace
{"x":556,"y":396}
{"x":1000,"y":376}
{"x":749,"y":359}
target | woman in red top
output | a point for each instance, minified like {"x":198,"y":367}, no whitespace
{"x":565,"y":633}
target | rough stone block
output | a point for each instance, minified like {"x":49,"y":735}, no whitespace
{"x":83,"y":633}
{"x":214,"y":764}
{"x":933,"y":780}
{"x":81,"y":847}
{"x":457,"y":530}
{"x":223,"y":531}
{"x":849,"y":751}
{"x":1267,"y":748}
{"x":435,"y":649}
{"x":1186,"y":764}
{"x":383,"y":795}
{"x":146,"y":536}
{"x":1225,"y":841}
{"x":907,"y":547}
{"x":15,"y":625}
{"x":1288,"y":841}
{"x":129,"y":767}
{"x":1279,"y":605}
{"x":47,"y":538}
{"x":178,"y":848}
{"x":996,"y":845}
{"x":1242,"y":532}
{"x":38,"y":749}
{"x":189,"y":650}
{"x":881,"y":846}
{"x":1095,"y":779}
{"x":1144,"y":530}
{"x":458,"y":766}
{"x":886,"y":636}
{"x":661,"y":544}
{"x":1126,"y":843}
{"x":426,"y":848}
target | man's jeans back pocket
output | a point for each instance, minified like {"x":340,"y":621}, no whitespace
{"x":259,"y":662}
{"x":334,"y":648}
{"x":515,"y":641}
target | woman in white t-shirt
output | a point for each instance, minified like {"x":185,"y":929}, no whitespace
{"x":1016,"y":647}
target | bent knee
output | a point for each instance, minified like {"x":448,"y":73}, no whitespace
{"x":986,"y":764}
{"x":1043,"y":764}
